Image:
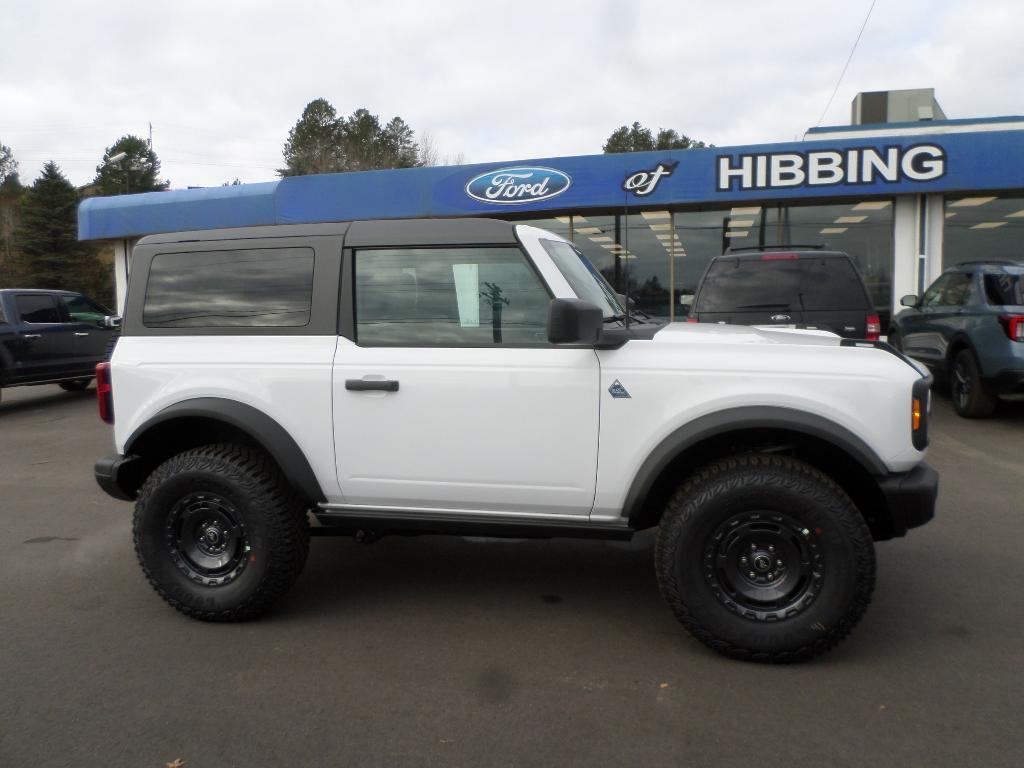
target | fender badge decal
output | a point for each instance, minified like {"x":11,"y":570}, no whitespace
{"x":617,"y":390}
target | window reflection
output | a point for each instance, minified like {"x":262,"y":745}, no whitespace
{"x":448,"y":297}
{"x":270,"y":287}
{"x":983,"y":227}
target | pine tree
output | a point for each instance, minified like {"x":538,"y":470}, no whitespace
{"x":323,"y":142}
{"x":637,"y":138}
{"x":138,"y":171}
{"x":48,"y":253}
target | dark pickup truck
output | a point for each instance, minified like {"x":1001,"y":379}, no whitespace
{"x":53,"y":337}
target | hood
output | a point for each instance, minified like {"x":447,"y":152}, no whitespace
{"x":713,"y":333}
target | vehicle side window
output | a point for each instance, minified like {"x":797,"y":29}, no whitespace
{"x":3,"y":317}
{"x":957,"y":290}
{"x":37,"y":308}
{"x":82,"y":310}
{"x":259,"y":287}
{"x":934,"y":293}
{"x":448,"y":297}
{"x":1000,"y":290}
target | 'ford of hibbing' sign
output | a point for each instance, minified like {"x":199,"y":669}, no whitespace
{"x":519,"y":185}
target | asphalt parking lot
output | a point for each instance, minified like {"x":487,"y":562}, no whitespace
{"x":447,"y":651}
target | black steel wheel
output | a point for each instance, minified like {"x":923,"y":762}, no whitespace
{"x":206,"y":538}
{"x":762,"y":557}
{"x":966,"y":390}
{"x":219,"y":533}
{"x":764,"y":565}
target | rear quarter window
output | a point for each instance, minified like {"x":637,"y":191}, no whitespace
{"x":1004,"y":290}
{"x":264,"y":287}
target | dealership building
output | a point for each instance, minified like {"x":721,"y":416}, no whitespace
{"x":906,"y":192}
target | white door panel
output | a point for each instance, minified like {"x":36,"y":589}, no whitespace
{"x":501,"y":430}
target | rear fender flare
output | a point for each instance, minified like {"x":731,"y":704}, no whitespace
{"x":263,"y":429}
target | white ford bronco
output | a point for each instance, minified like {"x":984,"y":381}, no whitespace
{"x":478,"y":377}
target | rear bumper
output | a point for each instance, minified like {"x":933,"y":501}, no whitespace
{"x":1005,"y":383}
{"x":117,"y":475}
{"x":911,"y":497}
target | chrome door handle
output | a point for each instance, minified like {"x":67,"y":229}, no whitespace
{"x":32,"y":336}
{"x":79,"y":333}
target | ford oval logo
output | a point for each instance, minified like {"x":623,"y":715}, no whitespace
{"x":780,"y":318}
{"x":516,"y":186}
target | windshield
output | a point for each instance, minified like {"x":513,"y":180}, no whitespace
{"x":586,"y":282}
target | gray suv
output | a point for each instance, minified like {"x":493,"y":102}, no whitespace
{"x":969,"y":329}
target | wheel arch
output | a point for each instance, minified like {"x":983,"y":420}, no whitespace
{"x":830,"y":447}
{"x":199,"y":421}
{"x":958,"y":342}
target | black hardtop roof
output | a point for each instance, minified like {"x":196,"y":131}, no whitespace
{"x":362,"y":233}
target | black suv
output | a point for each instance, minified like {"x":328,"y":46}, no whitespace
{"x":969,"y":328}
{"x":795,"y":286}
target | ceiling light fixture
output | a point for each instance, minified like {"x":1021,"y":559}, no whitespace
{"x":971,"y":202}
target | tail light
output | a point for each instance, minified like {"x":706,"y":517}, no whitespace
{"x":104,"y":393}
{"x":873,"y":329}
{"x":692,"y":319}
{"x":1013,"y":325}
{"x":920,"y":406}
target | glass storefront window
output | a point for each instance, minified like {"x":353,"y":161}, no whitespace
{"x":981,"y":227}
{"x":665,"y":253}
{"x":864,"y":230}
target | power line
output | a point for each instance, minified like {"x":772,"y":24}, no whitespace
{"x":847,"y":64}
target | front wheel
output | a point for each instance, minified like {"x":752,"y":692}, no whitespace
{"x":764,"y":558}
{"x":219,"y":533}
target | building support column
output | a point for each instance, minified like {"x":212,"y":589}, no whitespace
{"x":122,"y":265}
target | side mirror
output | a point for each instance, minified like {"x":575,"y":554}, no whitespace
{"x":111,"y":321}
{"x":910,"y":300}
{"x":574,"y":321}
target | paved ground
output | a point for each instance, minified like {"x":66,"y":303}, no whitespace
{"x":440,"y":651}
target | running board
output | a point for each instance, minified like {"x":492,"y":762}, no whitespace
{"x":373,"y":523}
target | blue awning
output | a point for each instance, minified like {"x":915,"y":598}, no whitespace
{"x":853,"y":166}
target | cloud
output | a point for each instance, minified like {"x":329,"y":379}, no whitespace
{"x":223,"y":82}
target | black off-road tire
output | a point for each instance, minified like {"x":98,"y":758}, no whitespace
{"x":76,"y":385}
{"x":785,"y":504}
{"x":239,"y":492}
{"x":966,"y":390}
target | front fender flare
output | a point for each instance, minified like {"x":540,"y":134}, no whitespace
{"x":738,"y":419}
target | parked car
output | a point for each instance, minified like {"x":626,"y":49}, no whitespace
{"x":791,"y":286}
{"x":477,"y":377}
{"x":968,"y":327}
{"x":49,"y":337}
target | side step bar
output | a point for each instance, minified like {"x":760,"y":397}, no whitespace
{"x":368,"y":523}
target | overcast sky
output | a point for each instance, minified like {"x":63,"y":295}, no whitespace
{"x":222,"y":82}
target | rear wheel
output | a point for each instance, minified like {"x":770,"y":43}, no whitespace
{"x":76,"y":385}
{"x":966,"y":390}
{"x":219,"y":533}
{"x":765,"y":558}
